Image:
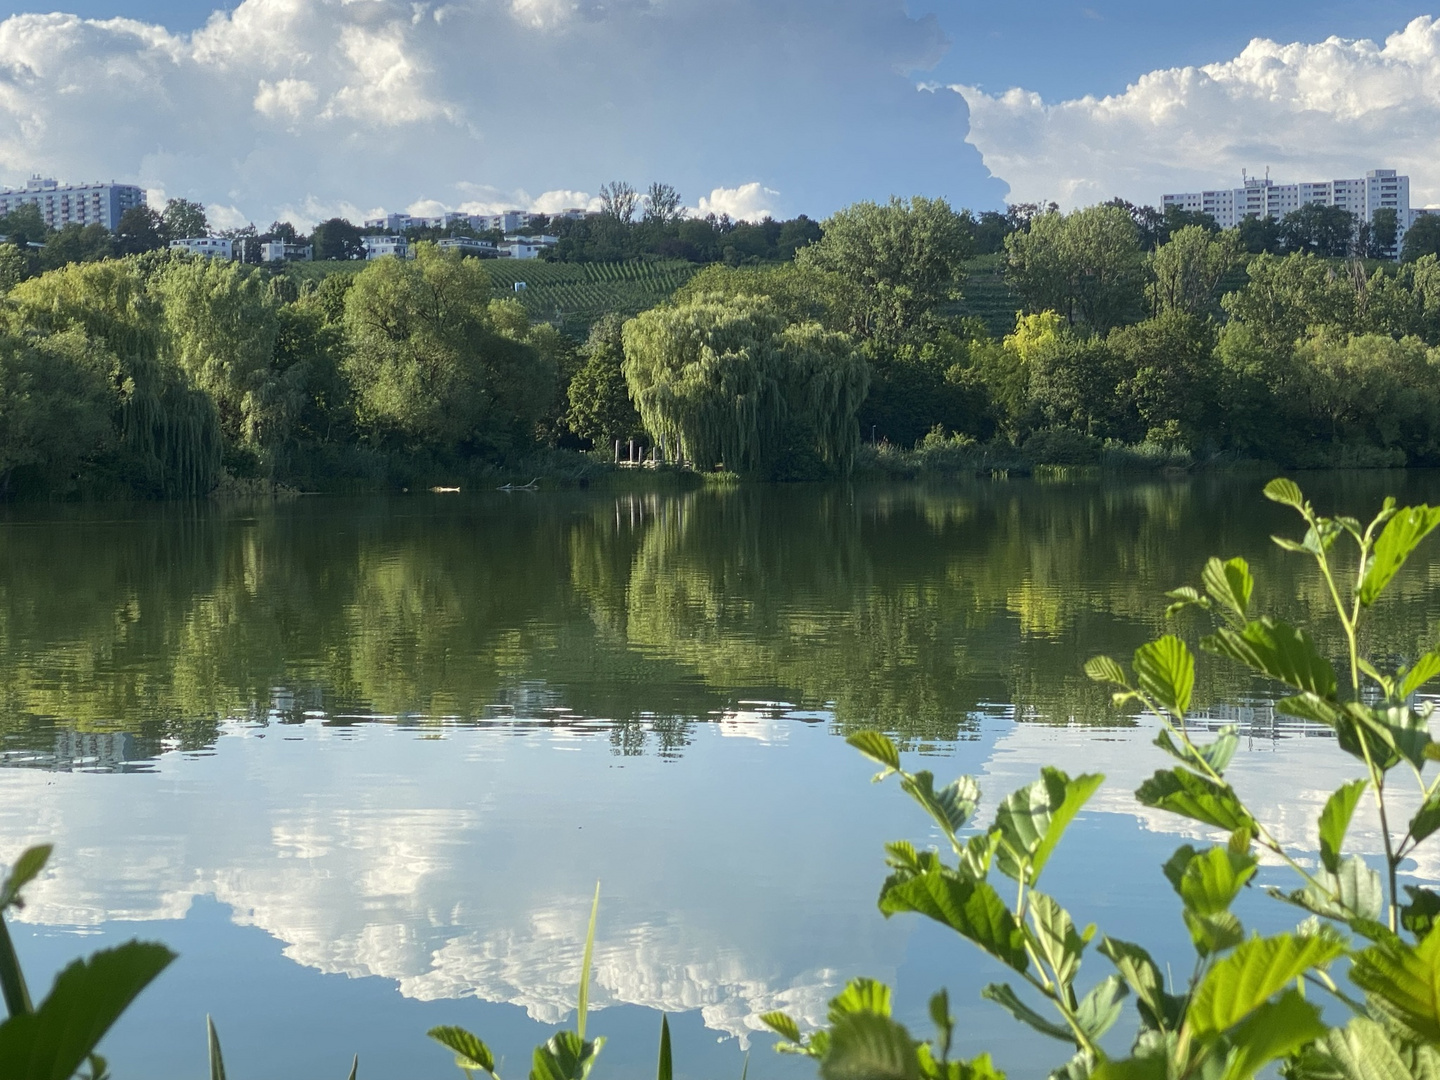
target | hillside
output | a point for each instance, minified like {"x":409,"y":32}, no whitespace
{"x":986,"y":296}
{"x":571,"y":295}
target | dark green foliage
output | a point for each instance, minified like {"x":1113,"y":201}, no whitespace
{"x":337,"y":239}
{"x":600,"y":405}
{"x":183,"y":220}
{"x":1422,"y":238}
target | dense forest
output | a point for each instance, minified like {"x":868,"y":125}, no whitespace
{"x":126,"y":369}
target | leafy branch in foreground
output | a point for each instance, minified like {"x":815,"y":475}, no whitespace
{"x":1245,"y":1005}
{"x":51,"y":1041}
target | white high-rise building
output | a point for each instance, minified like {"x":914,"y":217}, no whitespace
{"x":1261,"y":198}
{"x":77,"y":204}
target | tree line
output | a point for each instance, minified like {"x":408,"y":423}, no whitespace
{"x":163,"y":374}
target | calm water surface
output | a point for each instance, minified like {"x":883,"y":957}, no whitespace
{"x":361,"y":762}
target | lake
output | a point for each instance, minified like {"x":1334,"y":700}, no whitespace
{"x":361,"y":762}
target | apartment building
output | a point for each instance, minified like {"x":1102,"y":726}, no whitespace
{"x":74,"y":204}
{"x":280,"y":251}
{"x":527,"y":247}
{"x":377,"y":247}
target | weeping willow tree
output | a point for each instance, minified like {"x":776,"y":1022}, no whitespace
{"x":727,"y":381}
{"x":169,"y":434}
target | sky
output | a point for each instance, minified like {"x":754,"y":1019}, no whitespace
{"x":304,"y":109}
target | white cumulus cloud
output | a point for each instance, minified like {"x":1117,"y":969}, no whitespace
{"x":748,"y":202}
{"x":303,"y":106}
{"x":1335,"y":108}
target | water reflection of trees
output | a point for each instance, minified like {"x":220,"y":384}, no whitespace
{"x":908,"y":608}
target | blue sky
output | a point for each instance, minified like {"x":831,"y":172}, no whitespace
{"x":303,"y":108}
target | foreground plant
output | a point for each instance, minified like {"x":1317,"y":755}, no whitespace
{"x":1247,"y":1003}
{"x":51,"y":1041}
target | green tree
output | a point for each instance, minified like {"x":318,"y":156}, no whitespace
{"x":1422,"y":238}
{"x":663,"y":205}
{"x":24,"y":225}
{"x":428,"y":365}
{"x":1086,"y":265}
{"x":77,"y":243}
{"x":618,"y":202}
{"x":1320,"y":230}
{"x":220,"y":321}
{"x":719,"y":380}
{"x":14,"y":267}
{"x":1188,"y":268}
{"x":337,"y":239}
{"x":184,"y":220}
{"x":1260,"y":235}
{"x":600,"y":405}
{"x":904,"y":259}
{"x":1169,"y":376}
{"x":1384,"y":232}
{"x":140,"y":229}
{"x":1287,"y":296}
{"x":55,"y":411}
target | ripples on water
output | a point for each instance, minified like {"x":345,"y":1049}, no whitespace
{"x":362,"y":762}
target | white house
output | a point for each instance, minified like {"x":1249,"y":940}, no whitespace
{"x":212,"y":247}
{"x":280,"y":251}
{"x":528,"y":247}
{"x":469,"y":245}
{"x":379,"y":246}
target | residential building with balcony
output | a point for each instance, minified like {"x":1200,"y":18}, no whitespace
{"x":74,"y":204}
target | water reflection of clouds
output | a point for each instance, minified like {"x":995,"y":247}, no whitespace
{"x":462,"y":867}
{"x":736,"y":879}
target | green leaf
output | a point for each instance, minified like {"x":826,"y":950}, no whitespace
{"x":1406,"y":980}
{"x":1335,"y":821}
{"x":877,"y":747}
{"x":1427,"y":818}
{"x":1420,"y":914}
{"x":1311,"y":707}
{"x":1402,"y":534}
{"x":1032,"y":820}
{"x":1157,"y":1008}
{"x":565,"y":1056}
{"x":1056,"y":939}
{"x":1285,"y":492}
{"x":665,"y":1069}
{"x":867,"y":1046}
{"x":1274,"y":1030}
{"x":861,"y":995}
{"x":1103,"y":669}
{"x":1197,"y":797}
{"x":971,"y":908}
{"x":31,"y":861}
{"x":1185,"y":596}
{"x":782,"y":1024}
{"x":1100,"y":1008}
{"x":951,"y":806}
{"x":1003,"y":994}
{"x":1425,"y":669}
{"x":1359,"y":1051}
{"x":1392,"y":733}
{"x":1251,"y":975}
{"x":1165,"y":669}
{"x":1352,"y":894}
{"x":583,"y":1005}
{"x":1135,"y":1068}
{"x":943,"y":1021}
{"x":354,"y":1068}
{"x":1278,"y":650}
{"x":1229,"y":585}
{"x":88,"y":996}
{"x":217,"y":1060}
{"x":1209,"y":881}
{"x":1215,"y":932}
{"x":470,"y":1052}
{"x":1216,"y":755}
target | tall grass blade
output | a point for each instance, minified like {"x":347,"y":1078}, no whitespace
{"x":584,"y":1007}
{"x":664,"y":1071}
{"x":217,"y":1063}
{"x":12,"y":979}
{"x":354,"y":1067}
{"x":745,"y":1068}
